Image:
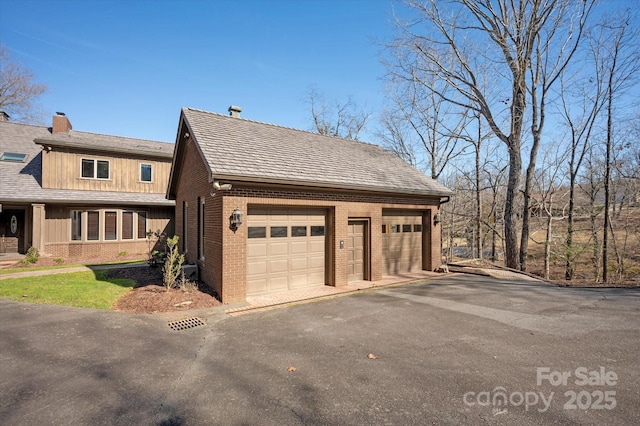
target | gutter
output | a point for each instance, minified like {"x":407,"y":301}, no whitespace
{"x":330,"y":185}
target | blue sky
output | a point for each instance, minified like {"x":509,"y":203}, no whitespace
{"x":127,"y":67}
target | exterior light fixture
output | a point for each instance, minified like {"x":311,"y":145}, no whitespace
{"x":235,"y":220}
{"x":437,"y":219}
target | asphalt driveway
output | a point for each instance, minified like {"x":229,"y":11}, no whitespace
{"x":455,"y":350}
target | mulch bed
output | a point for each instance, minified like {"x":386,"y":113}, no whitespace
{"x":150,"y":296}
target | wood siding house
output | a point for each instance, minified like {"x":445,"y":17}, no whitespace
{"x":74,"y":194}
{"x":262,"y":208}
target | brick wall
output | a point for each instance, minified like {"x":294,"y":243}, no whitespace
{"x":340,"y":207}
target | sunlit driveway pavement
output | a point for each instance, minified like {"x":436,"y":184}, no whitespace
{"x":456,"y":350}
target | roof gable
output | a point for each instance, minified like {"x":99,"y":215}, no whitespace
{"x":236,"y":148}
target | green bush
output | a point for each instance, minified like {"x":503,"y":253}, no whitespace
{"x":31,"y":256}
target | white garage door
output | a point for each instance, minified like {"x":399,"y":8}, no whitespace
{"x":285,"y":250}
{"x":401,"y":242}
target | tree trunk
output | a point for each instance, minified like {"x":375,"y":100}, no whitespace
{"x":510,"y":231}
{"x":607,"y":178}
{"x":478,"y":194}
{"x":547,"y":243}
{"x":568,"y":272}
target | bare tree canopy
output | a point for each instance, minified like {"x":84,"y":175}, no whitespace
{"x":18,"y":90}
{"x":474,"y":44}
{"x":345,"y":120}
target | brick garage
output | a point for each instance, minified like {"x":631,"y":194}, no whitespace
{"x":225,"y":163}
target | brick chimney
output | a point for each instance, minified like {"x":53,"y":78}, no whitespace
{"x":61,"y":123}
{"x":235,"y":111}
{"x":4,"y":116}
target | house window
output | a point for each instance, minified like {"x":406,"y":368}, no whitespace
{"x":110,"y":225}
{"x":93,"y":226}
{"x":200,"y":228}
{"x":95,"y":169}
{"x":142,"y":225}
{"x":145,"y":172}
{"x":76,"y":225}
{"x":13,"y":157}
{"x":127,"y":225}
{"x":184,"y":226}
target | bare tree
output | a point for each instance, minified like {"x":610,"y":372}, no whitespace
{"x":555,"y":46}
{"x":616,"y":48}
{"x":420,"y":127}
{"x":18,"y":90}
{"x":499,"y":34}
{"x":547,"y":183}
{"x":345,"y":120}
{"x":579,"y":113}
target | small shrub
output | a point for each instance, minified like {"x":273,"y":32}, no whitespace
{"x":186,"y":285}
{"x":123,"y":253}
{"x":173,"y":264}
{"x":58,"y":261}
{"x":31,"y":256}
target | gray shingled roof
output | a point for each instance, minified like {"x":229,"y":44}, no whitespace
{"x":21,"y":182}
{"x":108,"y":143}
{"x":236,"y":148}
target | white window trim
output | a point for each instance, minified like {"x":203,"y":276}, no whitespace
{"x":140,"y":174}
{"x":95,"y":168}
{"x":84,"y":226}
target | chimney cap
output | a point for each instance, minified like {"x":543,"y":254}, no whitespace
{"x":60,"y":113}
{"x":235,"y":111}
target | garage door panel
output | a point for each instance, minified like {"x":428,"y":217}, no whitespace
{"x":293,"y":259}
{"x":401,"y":244}
{"x":317,"y":245}
{"x":299,"y":247}
{"x":299,"y":264}
{"x":257,"y":285}
{"x":278,"y":266}
{"x":278,"y":284}
{"x":316,"y":278}
{"x":256,"y":249}
{"x":316,"y":262}
{"x":279,"y":248}
{"x":257,"y":267}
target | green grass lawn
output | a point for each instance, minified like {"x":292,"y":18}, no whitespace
{"x":82,"y":289}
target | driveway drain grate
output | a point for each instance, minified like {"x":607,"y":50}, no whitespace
{"x":185,"y":324}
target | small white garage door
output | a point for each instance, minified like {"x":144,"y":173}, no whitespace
{"x":401,"y":242}
{"x":285,"y":249}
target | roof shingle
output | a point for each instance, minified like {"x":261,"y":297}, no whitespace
{"x":238,"y":148}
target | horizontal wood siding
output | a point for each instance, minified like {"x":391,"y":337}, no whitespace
{"x":62,"y":170}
